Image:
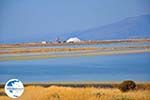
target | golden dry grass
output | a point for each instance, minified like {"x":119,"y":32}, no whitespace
{"x":68,"y":93}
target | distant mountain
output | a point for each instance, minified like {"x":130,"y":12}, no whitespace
{"x":131,"y":27}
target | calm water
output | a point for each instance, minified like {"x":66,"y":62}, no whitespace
{"x":91,"y":68}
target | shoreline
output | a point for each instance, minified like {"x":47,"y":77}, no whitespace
{"x":27,"y":51}
{"x":140,"y":85}
{"x":73,"y":54}
{"x":36,"y":44}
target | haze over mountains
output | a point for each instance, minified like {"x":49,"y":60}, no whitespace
{"x":128,"y":28}
{"x":131,"y":27}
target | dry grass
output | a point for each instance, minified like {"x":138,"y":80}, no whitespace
{"x":42,"y":50}
{"x":89,"y":93}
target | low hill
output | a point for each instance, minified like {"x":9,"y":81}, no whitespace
{"x":131,"y":27}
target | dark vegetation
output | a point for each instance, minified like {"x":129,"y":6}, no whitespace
{"x":127,"y":85}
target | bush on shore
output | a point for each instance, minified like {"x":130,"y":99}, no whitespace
{"x":127,"y":85}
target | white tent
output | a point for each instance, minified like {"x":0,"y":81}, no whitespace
{"x":73,"y":40}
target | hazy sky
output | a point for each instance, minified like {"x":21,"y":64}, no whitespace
{"x":24,"y":19}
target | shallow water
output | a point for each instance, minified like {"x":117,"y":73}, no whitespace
{"x":91,"y":68}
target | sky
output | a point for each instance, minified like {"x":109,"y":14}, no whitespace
{"x":37,"y":20}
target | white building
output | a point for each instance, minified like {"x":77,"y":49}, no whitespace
{"x":73,"y":40}
{"x":43,"y":42}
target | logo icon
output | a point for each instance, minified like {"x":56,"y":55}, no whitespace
{"x":14,"y":88}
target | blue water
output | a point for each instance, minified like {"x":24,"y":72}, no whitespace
{"x":86,"y":68}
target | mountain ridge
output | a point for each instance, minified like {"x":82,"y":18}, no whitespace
{"x":128,"y":28}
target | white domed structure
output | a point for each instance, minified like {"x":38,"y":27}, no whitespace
{"x":44,"y":42}
{"x":73,"y":40}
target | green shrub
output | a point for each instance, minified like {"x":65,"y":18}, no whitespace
{"x":127,"y":85}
